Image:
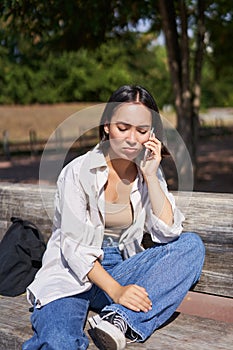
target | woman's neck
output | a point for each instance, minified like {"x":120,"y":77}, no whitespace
{"x":123,"y":168}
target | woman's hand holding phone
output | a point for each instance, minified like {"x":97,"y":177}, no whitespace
{"x":146,"y":154}
{"x":152,"y":156}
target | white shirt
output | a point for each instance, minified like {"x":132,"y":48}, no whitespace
{"x":78,"y":227}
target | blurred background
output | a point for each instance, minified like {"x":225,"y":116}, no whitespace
{"x":59,"y":57}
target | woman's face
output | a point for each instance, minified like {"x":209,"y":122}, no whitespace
{"x":129,"y":129}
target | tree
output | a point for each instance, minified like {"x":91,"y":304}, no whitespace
{"x":185,"y":75}
{"x":48,"y":25}
{"x":219,"y":24}
{"x":190,"y":27}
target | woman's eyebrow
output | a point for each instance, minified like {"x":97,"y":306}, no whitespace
{"x":143,"y":126}
{"x":124,"y":123}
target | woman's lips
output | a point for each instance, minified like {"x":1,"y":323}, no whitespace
{"x":130,"y":150}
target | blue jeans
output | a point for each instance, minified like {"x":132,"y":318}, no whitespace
{"x":166,"y":271}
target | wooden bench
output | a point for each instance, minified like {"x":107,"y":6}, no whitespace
{"x":208,"y":214}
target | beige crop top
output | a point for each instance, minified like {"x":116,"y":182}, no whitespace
{"x":118,"y":215}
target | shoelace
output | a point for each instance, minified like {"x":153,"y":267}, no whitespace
{"x":116,"y":320}
{"x":132,"y":336}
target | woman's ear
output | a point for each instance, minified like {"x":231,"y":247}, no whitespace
{"x":106,"y":128}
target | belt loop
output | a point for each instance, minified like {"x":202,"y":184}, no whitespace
{"x":109,"y":242}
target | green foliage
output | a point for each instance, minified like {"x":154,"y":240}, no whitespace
{"x":219,"y":25}
{"x":48,"y":25}
{"x":216,"y":88}
{"x":85,"y":75}
{"x":55,"y":51}
{"x":92,"y":75}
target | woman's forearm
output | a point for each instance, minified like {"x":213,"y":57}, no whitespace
{"x":100,"y":277}
{"x":131,"y":296}
{"x":160,"y":204}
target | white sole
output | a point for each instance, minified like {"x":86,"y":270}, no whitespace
{"x":107,"y":336}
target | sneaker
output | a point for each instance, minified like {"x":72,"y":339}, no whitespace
{"x":108,"y":331}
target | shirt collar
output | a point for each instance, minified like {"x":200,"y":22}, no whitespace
{"x":97,"y":159}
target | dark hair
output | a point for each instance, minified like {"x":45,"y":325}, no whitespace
{"x":137,"y":94}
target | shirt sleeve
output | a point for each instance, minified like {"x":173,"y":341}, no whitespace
{"x":161,"y":232}
{"x":80,"y":239}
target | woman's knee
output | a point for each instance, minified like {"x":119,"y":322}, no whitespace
{"x":194,"y":249}
{"x":194,"y":243}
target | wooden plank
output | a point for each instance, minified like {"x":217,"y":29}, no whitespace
{"x":217,"y":279}
{"x":211,"y":216}
{"x":185,"y":332}
{"x":192,"y":333}
{"x":14,"y":322}
{"x":29,"y":202}
{"x":208,"y":214}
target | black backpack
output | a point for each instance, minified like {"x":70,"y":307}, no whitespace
{"x":21,"y":251}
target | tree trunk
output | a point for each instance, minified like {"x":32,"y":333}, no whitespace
{"x":186,"y":92}
{"x":198,"y":61}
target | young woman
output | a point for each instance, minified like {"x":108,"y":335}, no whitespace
{"x":106,"y":201}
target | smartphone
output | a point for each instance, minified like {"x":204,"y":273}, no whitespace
{"x":147,"y":151}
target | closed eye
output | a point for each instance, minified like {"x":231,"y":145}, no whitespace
{"x":142,"y":131}
{"x":122,"y":129}
{"x":123,"y":126}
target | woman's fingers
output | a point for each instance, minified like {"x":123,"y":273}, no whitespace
{"x":152,"y":162}
{"x":142,"y":301}
{"x":135,"y":298}
{"x":154,"y":145}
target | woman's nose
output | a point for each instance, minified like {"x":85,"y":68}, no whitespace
{"x":132,"y":136}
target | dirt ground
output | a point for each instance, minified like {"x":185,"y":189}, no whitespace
{"x":215,"y":165}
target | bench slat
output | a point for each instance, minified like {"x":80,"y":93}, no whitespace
{"x":185,"y":332}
